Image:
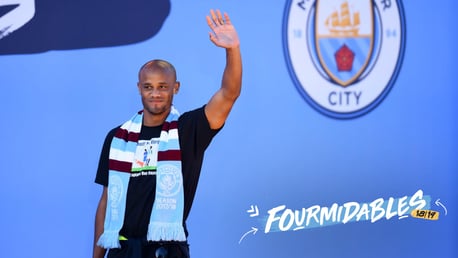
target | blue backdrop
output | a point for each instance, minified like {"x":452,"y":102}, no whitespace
{"x":68,"y":75}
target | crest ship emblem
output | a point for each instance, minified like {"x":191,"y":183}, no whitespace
{"x":343,"y":43}
{"x":343,"y":55}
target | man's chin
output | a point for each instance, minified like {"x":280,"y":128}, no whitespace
{"x":156,"y":110}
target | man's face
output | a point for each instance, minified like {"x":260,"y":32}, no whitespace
{"x":157,"y":88}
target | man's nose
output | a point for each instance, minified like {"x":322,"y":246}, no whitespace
{"x":155,"y":92}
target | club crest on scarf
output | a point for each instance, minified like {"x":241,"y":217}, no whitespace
{"x":116,"y":190}
{"x":169,"y":180}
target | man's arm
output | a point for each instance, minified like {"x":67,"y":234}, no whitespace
{"x":224,"y":35}
{"x":99,"y":252}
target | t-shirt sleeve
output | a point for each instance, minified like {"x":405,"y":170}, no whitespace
{"x":102,"y":170}
{"x":195,"y":127}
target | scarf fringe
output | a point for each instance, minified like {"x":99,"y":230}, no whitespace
{"x":109,"y":239}
{"x":165,"y":232}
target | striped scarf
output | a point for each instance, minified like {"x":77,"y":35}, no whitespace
{"x":166,"y":220}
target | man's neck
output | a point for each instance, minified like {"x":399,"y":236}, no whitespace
{"x":154,"y":119}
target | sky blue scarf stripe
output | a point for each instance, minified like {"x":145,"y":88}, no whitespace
{"x":120,"y":144}
{"x":173,"y":144}
{"x":166,"y":220}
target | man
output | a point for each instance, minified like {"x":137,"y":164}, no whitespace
{"x":150,"y":165}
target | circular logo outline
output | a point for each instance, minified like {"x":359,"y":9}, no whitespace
{"x":309,"y":99}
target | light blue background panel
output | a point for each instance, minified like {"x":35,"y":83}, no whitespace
{"x":275,"y":148}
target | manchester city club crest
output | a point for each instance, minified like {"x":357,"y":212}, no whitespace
{"x":169,"y":180}
{"x":344,"y":55}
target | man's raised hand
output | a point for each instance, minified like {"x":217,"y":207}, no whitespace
{"x":223,"y":33}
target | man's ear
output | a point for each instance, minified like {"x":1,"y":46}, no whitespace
{"x":176,"y":87}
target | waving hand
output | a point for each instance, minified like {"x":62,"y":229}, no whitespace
{"x":223,"y":33}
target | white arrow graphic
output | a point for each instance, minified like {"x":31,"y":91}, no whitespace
{"x":253,"y":230}
{"x":254,"y":209}
{"x":438,"y":203}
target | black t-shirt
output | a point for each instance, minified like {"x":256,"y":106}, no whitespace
{"x":194,"y":134}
